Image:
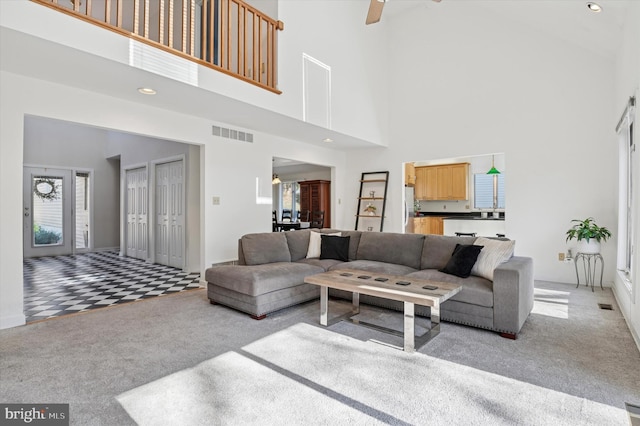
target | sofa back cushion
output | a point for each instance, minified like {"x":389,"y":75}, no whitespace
{"x":401,"y":249}
{"x":298,"y":242}
{"x":266,"y":247}
{"x":438,"y":249}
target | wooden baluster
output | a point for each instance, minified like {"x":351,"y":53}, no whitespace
{"x":107,"y":11}
{"x":192,"y":29}
{"x":256,"y":37}
{"x":238,"y":35}
{"x":161,"y":23}
{"x":89,"y":7}
{"x":170,"y":33}
{"x":224,"y":32}
{"x":119,"y":13}
{"x":270,"y":32}
{"x":146,"y":19}
{"x":244,"y":42}
{"x":260,"y":49}
{"x":136,"y":16}
{"x":203,"y":31}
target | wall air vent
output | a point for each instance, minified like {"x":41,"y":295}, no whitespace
{"x":232,"y":134}
{"x":605,"y":306}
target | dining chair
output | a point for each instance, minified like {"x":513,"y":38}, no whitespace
{"x":303,"y":216}
{"x":317,"y":219}
{"x":274,"y":221}
{"x":286,"y":215}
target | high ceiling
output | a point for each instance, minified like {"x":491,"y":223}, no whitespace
{"x":567,"y":20}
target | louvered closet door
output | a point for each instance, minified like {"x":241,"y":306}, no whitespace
{"x":137,"y":213}
{"x":170,"y":219}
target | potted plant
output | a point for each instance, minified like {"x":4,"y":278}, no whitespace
{"x":588,"y":234}
{"x":371,"y":209}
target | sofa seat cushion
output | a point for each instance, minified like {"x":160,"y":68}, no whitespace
{"x":255,"y":280}
{"x":475,"y":290}
{"x":375,"y":266}
{"x":325,"y":264}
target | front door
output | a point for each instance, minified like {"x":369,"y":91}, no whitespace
{"x":48,"y":212}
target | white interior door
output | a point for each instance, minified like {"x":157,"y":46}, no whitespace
{"x":170,"y":220}
{"x":48,"y":212}
{"x":137,"y":213}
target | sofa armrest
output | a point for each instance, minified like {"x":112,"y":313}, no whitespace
{"x":512,"y":294}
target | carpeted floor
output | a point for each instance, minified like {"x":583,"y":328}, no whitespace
{"x":179,"y":360}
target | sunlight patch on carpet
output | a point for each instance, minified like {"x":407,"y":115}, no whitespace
{"x":311,"y":375}
{"x":551,"y":303}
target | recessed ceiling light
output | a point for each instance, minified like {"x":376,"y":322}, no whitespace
{"x":327,"y":140}
{"x":594,"y":7}
{"x":146,"y":91}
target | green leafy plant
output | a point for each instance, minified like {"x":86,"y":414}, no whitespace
{"x":42,"y":236}
{"x":587,"y":229}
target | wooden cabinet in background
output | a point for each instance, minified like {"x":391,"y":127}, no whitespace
{"x":409,"y":174}
{"x":428,"y":225}
{"x":444,"y":182}
{"x":315,"y":195}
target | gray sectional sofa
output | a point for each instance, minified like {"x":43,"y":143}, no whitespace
{"x":272,"y":266}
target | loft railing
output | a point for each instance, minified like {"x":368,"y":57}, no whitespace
{"x":227,"y":35}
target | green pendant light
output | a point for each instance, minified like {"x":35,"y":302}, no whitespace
{"x":493,"y":170}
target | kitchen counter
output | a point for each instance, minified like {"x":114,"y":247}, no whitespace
{"x":482,"y":227}
{"x":472,"y":218}
{"x":459,"y":216}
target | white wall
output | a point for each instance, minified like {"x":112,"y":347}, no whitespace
{"x":334,"y":33}
{"x":628,"y":84}
{"x":482,"y":85}
{"x":230,"y":167}
{"x":65,"y":145}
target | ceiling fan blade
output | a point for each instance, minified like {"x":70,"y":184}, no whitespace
{"x":375,"y":11}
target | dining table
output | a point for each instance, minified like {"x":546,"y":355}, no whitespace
{"x":290,"y":226}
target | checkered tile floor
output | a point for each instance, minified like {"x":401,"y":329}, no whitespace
{"x":60,"y":285}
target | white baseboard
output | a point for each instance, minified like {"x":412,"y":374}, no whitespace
{"x":12,"y":321}
{"x":634,"y":332}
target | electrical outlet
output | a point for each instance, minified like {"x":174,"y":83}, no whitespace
{"x":216,"y":201}
{"x":561,"y":257}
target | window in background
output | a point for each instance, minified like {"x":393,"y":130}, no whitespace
{"x":290,"y":198}
{"x":483,"y":191}
{"x":626,"y":205}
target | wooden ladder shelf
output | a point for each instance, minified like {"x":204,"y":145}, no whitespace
{"x":372,"y":184}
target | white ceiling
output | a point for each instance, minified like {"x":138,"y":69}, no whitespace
{"x":569,"y":20}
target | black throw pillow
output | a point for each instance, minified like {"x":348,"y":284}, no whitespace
{"x":334,"y":247}
{"x":462,"y":260}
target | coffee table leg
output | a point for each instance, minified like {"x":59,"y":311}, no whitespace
{"x":409,"y":327}
{"x":324,"y":305}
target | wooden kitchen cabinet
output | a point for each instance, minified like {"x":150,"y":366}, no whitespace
{"x":428,"y":225}
{"x":444,"y":182}
{"x":409,"y":174}
{"x":315,"y":195}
